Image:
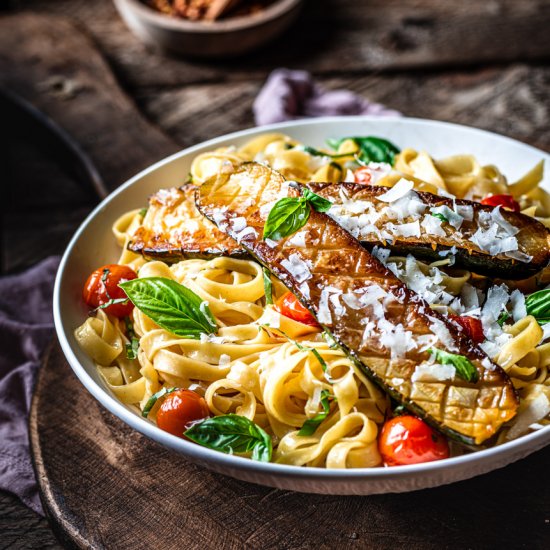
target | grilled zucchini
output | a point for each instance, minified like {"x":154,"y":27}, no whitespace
{"x":359,"y":209}
{"x":389,"y":332}
{"x":173,"y":229}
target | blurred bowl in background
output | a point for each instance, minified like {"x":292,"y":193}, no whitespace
{"x":222,"y":38}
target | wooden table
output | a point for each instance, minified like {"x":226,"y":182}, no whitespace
{"x":477,"y":63}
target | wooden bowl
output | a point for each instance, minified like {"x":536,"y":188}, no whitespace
{"x":225,"y":38}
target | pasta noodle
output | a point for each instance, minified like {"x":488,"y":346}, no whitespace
{"x":260,"y":364}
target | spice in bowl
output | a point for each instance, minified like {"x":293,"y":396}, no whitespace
{"x":208,"y":10}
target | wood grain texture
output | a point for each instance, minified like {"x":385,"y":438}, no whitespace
{"x":512,"y":101}
{"x":69,"y":80}
{"x":109,"y":487}
{"x":339,"y":36}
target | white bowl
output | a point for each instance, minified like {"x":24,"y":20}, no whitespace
{"x":93,"y":245}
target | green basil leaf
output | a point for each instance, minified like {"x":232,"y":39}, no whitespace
{"x":371,"y":149}
{"x":154,"y":398}
{"x":268,"y":286}
{"x":316,"y":153}
{"x":537,"y":304}
{"x":111,"y":302}
{"x":142,"y":212}
{"x":286,"y":217}
{"x":171,"y":306}
{"x":439,"y":216}
{"x":232,"y":433}
{"x":465,"y":369}
{"x":318,"y":203}
{"x":132,"y":348}
{"x":316,"y":354}
{"x":311,"y":425}
{"x":504,"y":316}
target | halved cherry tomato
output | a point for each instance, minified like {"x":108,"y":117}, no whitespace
{"x":507,"y":201}
{"x":102,"y":287}
{"x":179,"y":409}
{"x":289,"y":306}
{"x":363,"y":175}
{"x":408,"y":440}
{"x":472,"y":327}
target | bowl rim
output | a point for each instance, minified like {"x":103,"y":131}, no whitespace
{"x":514,"y":448}
{"x":278,"y":9}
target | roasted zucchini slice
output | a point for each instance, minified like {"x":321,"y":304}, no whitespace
{"x":389,"y":332}
{"x":430,"y":226}
{"x":173,"y":229}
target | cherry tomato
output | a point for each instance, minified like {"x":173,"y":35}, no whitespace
{"x":363,"y":175}
{"x":506,"y":201}
{"x":408,"y":440}
{"x":289,"y":306}
{"x":179,"y":409}
{"x":472,"y":327}
{"x":102,"y":286}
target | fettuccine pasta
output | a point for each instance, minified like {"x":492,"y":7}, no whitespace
{"x":279,"y":373}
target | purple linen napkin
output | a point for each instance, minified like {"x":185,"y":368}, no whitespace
{"x":26,"y":324}
{"x":26,"y":328}
{"x":289,"y":95}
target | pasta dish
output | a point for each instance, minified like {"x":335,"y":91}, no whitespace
{"x":351,"y":306}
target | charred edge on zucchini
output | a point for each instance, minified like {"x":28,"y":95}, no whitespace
{"x":343,"y":261}
{"x":193,"y":237}
{"x":533,"y":236}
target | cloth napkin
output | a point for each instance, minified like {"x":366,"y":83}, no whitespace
{"x":26,"y":324}
{"x":26,"y":328}
{"x":290,"y":95}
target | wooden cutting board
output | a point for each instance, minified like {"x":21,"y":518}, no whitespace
{"x":104,"y":485}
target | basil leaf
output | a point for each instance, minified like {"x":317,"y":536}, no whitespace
{"x":111,"y":302}
{"x":371,"y":149}
{"x":316,"y":354}
{"x":311,"y":425}
{"x":465,"y":369}
{"x":316,"y":153}
{"x":142,"y":212}
{"x":439,"y":216}
{"x":132,"y":348}
{"x":538,"y":305}
{"x":154,"y":398}
{"x":318,"y":203}
{"x":329,"y":339}
{"x":268,"y":286}
{"x":504,"y":316}
{"x":171,"y":306}
{"x":286,"y":217}
{"x":232,"y":433}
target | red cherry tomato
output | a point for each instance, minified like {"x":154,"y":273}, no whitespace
{"x":506,"y":201}
{"x":289,"y":306}
{"x":363,"y":175}
{"x":472,"y":327}
{"x":408,"y":440}
{"x":179,"y":409}
{"x":102,"y":286}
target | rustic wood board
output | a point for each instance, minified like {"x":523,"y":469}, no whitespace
{"x":336,"y":36}
{"x":62,"y":73}
{"x":106,"y":486}
{"x":69,"y":81}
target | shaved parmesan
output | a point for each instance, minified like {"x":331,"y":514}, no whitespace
{"x":429,"y":372}
{"x":297,"y":267}
{"x":432,"y":226}
{"x":536,"y":410}
{"x":411,"y":229}
{"x":517,"y":300}
{"x":452,"y":217}
{"x":246,"y":231}
{"x":400,"y":189}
